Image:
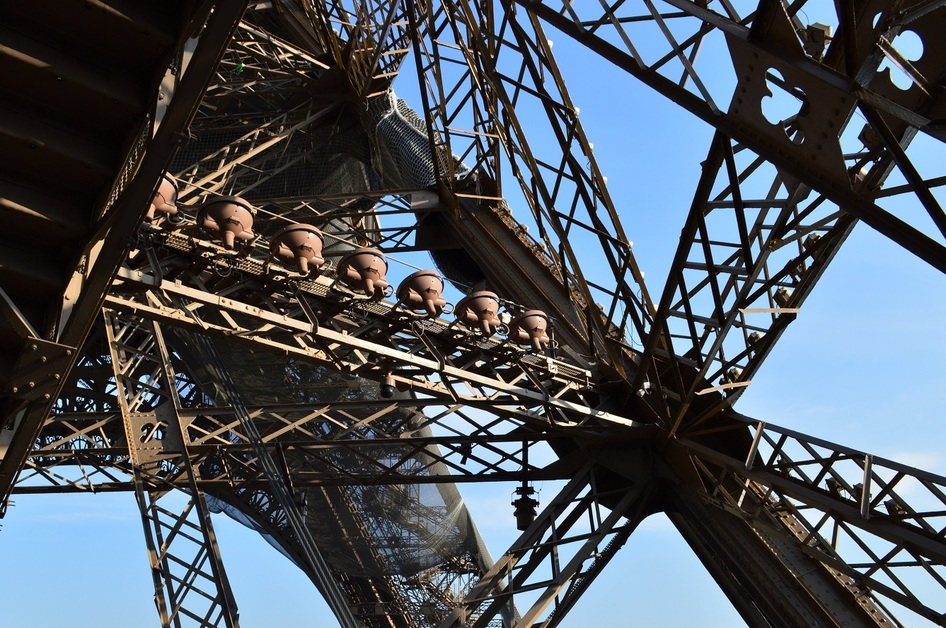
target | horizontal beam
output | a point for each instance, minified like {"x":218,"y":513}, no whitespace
{"x":329,"y":339}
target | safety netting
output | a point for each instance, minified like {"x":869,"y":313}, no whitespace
{"x":404,"y":553}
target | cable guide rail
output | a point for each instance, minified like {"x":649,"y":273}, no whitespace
{"x":528,"y":381}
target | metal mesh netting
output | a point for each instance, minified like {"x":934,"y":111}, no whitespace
{"x":385,"y":146}
{"x":417,"y":541}
{"x":402,"y":154}
{"x":330,"y":157}
{"x":413,"y":547}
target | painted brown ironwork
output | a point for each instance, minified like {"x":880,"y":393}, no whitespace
{"x":338,"y":424}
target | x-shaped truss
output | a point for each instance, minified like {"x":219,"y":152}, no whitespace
{"x":776,"y":201}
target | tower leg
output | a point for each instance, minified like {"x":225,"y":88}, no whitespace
{"x":189,"y":578}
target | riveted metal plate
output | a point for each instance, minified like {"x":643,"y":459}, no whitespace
{"x":39,"y":369}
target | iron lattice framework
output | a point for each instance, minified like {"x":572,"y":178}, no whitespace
{"x":205,"y":377}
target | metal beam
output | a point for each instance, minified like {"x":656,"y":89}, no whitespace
{"x":186,"y":566}
{"x":770,"y":582}
{"x":204,"y":43}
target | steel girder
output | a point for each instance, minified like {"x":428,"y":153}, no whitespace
{"x":178,"y":85}
{"x":189,"y":578}
{"x":746,"y":261}
{"x":317,"y":462}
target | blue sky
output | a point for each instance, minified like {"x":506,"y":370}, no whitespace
{"x":860,"y":366}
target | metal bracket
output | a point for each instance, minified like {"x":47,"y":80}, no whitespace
{"x":826,"y":108}
{"x":38,"y":370}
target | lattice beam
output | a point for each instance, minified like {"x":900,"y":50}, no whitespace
{"x":880,"y":524}
{"x":478,"y":63}
{"x":567,"y":544}
{"x":832,"y":83}
{"x":189,"y":578}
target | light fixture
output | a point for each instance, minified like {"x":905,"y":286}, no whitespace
{"x":422,"y":292}
{"x":387,"y":386}
{"x":228,"y":217}
{"x":531,"y":328}
{"x":300,"y":245}
{"x":164,"y":199}
{"x":525,"y":506}
{"x":479,"y":311}
{"x":364,"y":270}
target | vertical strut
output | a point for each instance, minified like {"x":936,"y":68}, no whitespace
{"x":325,"y":579}
{"x":558,"y":555}
{"x":189,"y":578}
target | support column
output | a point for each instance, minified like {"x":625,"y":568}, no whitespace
{"x":559,"y":554}
{"x":769,"y":581}
{"x":189,"y":579}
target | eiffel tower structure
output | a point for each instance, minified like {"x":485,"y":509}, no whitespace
{"x":241,"y":275}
